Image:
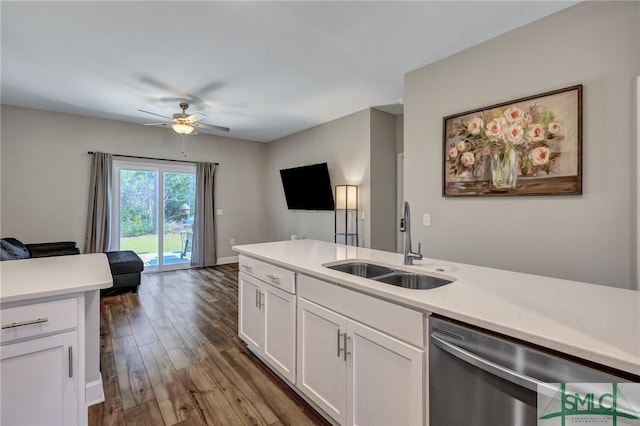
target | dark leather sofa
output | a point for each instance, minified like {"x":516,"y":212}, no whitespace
{"x":125,"y":265}
{"x":13,"y":249}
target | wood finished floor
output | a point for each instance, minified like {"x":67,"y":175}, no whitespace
{"x":171,"y":355}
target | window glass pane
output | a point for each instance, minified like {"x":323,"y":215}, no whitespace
{"x":178,"y":200}
{"x":139,"y":213}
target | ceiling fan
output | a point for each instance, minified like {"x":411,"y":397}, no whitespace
{"x":183,"y":123}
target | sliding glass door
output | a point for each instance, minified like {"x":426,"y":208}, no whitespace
{"x":153,"y":212}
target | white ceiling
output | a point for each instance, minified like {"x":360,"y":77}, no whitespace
{"x":264,"y":69}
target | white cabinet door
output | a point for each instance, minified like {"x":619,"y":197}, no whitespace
{"x":385,"y":384}
{"x":266,"y":322}
{"x":38,"y":381}
{"x":279,"y":330}
{"x":322,"y":373}
{"x":250,"y":314}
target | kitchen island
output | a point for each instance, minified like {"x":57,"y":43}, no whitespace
{"x":49,"y":346}
{"x":365,"y":352}
{"x":596,"y":323}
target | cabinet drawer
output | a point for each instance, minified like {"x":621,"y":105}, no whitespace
{"x":397,"y":321}
{"x":19,"y":322}
{"x":274,"y":275}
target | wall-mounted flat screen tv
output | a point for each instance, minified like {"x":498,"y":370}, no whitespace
{"x":308,"y":187}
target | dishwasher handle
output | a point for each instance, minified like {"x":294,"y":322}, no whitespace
{"x":495,"y":369}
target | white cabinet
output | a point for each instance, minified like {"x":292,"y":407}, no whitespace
{"x":266,"y":322}
{"x":39,"y":384}
{"x":356,"y":374}
{"x":41,"y":364}
{"x":385,"y":380}
{"x":322,"y":368}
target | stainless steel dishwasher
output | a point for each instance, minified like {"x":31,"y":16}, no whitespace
{"x":479,"y":379}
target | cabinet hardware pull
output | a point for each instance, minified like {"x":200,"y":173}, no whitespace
{"x":261,"y":300}
{"x":246,"y":267}
{"x":23,"y":323}
{"x":339,"y":349}
{"x":274,"y":277}
{"x":346,"y":339}
{"x":70,"y":361}
{"x":257,"y":299}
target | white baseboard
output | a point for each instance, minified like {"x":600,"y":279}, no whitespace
{"x":225,"y":260}
{"x":94,"y":392}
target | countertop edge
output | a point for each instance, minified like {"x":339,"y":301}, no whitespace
{"x":54,"y":292}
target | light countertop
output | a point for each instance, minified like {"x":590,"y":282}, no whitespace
{"x":593,"y":322}
{"x":51,"y":276}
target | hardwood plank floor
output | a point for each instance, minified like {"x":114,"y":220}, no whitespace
{"x":170,"y":355}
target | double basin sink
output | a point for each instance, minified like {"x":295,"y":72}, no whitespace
{"x":390,"y":276}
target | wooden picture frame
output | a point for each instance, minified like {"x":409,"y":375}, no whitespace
{"x":527,"y":146}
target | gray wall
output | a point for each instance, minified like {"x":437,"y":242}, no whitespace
{"x":360,"y":149}
{"x":588,"y":238}
{"x":383,"y":181}
{"x":45,"y":174}
{"x":344,"y":145}
{"x":399,"y":133}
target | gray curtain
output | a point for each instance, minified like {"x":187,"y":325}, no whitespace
{"x":98,"y":233}
{"x":204,"y":223}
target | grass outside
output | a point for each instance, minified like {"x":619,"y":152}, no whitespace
{"x":149,"y":243}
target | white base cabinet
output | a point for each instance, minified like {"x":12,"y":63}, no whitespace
{"x":358,"y":359}
{"x":266,"y":322}
{"x":39,"y":386}
{"x":42,"y":363}
{"x":384,"y":380}
{"x":356,"y":374}
{"x":322,"y":369}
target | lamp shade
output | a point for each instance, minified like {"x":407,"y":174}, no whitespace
{"x":182,"y":128}
{"x":346,"y":197}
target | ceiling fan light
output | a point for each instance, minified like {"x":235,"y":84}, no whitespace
{"x":182,"y":128}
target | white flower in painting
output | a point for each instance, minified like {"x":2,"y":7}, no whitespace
{"x":536,"y":133}
{"x":467,"y":159}
{"x":475,"y":125}
{"x":526,"y":119}
{"x":494,"y":129}
{"x":453,"y":152}
{"x":514,"y":115}
{"x":461,"y":146}
{"x":514,"y":134}
{"x":553,"y":127}
{"x":539,"y":156}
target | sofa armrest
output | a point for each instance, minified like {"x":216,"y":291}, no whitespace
{"x":61,"y":248}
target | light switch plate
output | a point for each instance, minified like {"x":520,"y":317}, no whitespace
{"x":219,"y":212}
{"x":426,"y":219}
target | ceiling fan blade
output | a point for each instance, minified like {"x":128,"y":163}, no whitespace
{"x":211,"y":126}
{"x":158,"y":124}
{"x":196,"y":116}
{"x":153,"y":113}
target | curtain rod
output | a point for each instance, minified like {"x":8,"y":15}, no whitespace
{"x":152,"y":158}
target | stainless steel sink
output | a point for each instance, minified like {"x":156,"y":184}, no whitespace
{"x":361,"y":269}
{"x":414,"y":281}
{"x":391,"y":276}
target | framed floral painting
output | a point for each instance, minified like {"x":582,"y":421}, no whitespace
{"x":528,"y":146}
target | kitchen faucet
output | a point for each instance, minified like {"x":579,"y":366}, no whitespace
{"x":405,"y":226}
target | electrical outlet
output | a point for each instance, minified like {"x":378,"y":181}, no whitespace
{"x":219,"y":212}
{"x":362,"y":215}
{"x":232,"y":241}
{"x":426,"y":219}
